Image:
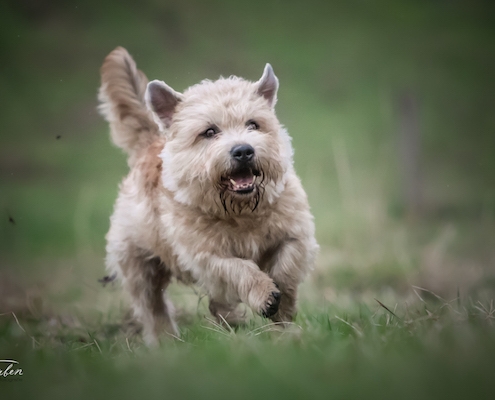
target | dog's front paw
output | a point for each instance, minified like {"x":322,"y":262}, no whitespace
{"x":264,"y":297}
{"x":271,"y":306}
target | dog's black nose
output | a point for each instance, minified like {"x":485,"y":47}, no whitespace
{"x":242,"y":152}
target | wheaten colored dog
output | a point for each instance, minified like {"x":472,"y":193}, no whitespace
{"x":211,"y":198}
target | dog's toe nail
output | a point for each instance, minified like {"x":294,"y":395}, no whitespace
{"x":271,"y":306}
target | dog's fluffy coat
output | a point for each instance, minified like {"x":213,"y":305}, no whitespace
{"x":211,"y":198}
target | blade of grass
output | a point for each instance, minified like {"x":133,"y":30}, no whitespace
{"x":389,"y":310}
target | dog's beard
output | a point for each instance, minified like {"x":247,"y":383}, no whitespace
{"x":211,"y":190}
{"x":241,"y":189}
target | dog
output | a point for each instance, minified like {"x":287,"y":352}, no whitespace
{"x":211,"y":198}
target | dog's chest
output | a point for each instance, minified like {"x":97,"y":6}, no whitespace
{"x":246,"y":240}
{"x":246,"y":245}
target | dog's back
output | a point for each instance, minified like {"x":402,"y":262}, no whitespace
{"x":121,"y":97}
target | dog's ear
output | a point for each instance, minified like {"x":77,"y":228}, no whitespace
{"x":162,"y":100}
{"x":268,"y":85}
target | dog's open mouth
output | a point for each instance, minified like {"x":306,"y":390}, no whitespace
{"x":241,"y":181}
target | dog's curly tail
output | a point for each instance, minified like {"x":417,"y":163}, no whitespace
{"x":121,"y":97}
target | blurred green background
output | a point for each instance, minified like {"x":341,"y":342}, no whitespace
{"x":390,"y":105}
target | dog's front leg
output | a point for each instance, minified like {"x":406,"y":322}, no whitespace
{"x":289,"y":266}
{"x":238,"y":279}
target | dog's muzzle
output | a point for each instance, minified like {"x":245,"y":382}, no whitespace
{"x":242,"y":178}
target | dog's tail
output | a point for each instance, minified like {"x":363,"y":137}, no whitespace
{"x":121,"y":97}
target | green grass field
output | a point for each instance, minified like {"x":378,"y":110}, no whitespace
{"x":343,"y":67}
{"x":429,"y":349}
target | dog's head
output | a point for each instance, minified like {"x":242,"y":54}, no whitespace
{"x":225,"y":152}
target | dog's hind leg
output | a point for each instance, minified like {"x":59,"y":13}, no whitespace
{"x":145,"y":278}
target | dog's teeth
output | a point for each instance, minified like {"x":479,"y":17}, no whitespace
{"x":254,"y":178}
{"x":233,"y":182}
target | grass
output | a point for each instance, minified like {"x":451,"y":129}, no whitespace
{"x":428,"y":348}
{"x":342,"y":67}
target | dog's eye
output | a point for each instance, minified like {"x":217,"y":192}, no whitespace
{"x":252,"y":125}
{"x":210,"y":132}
